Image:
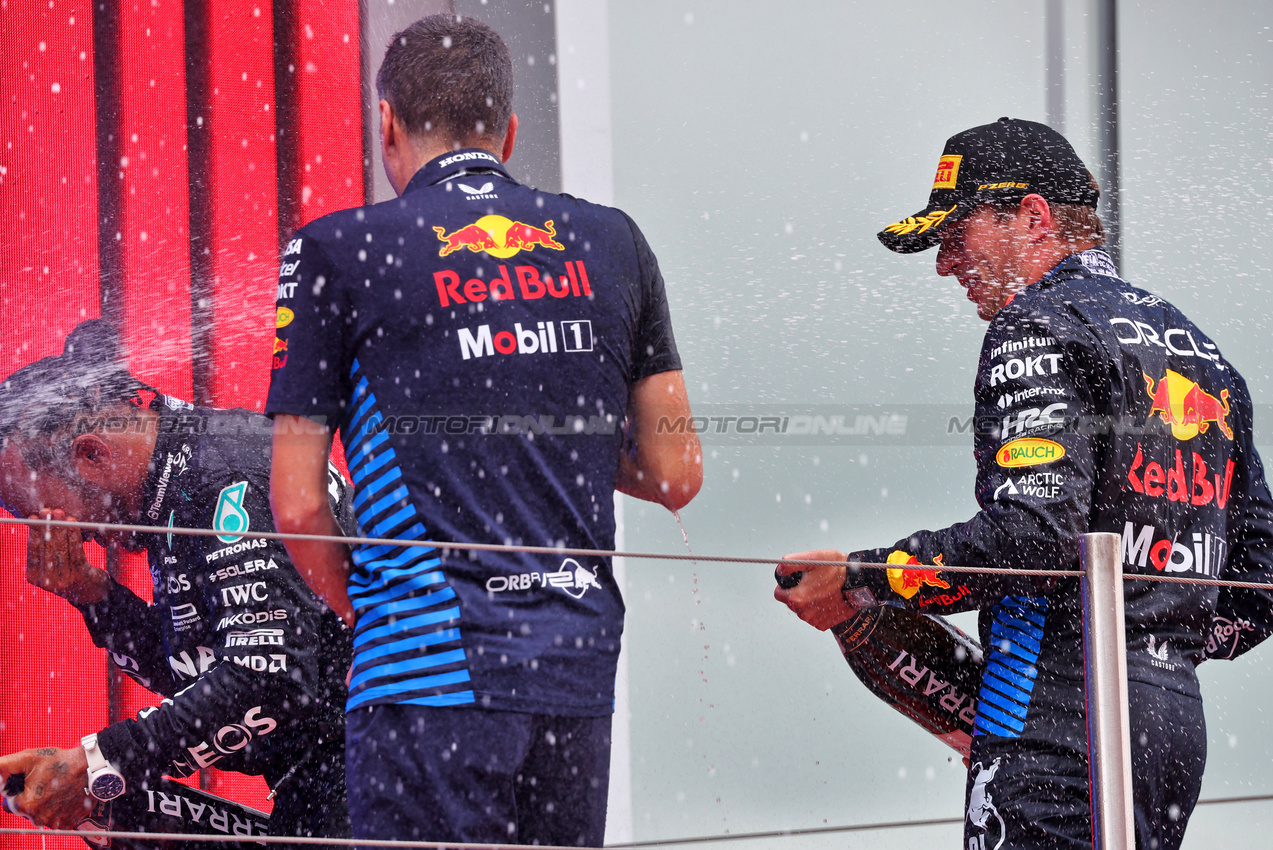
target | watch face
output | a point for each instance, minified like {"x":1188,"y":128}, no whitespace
{"x":107,"y":786}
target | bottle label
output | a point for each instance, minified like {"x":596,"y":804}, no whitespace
{"x":853,"y":633}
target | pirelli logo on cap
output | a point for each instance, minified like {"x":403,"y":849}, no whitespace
{"x":947,"y":171}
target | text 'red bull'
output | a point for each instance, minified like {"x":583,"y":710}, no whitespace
{"x":1187,"y":407}
{"x":1188,"y":487}
{"x":906,"y":583}
{"x":530,"y":282}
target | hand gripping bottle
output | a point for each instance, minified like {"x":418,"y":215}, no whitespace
{"x":920,"y":664}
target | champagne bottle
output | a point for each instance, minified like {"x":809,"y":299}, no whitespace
{"x":159,"y":808}
{"x":921,"y":665}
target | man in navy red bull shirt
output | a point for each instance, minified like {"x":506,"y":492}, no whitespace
{"x":1100,"y":407}
{"x":497,"y":359}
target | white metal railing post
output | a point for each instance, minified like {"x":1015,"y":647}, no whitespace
{"x":1108,"y":725}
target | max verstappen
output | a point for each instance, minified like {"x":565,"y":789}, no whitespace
{"x":250,"y":663}
{"x":1100,"y":407}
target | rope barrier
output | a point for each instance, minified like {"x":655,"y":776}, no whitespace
{"x":606,"y":553}
{"x":493,"y":547}
{"x":630,"y":845}
{"x":561,"y":550}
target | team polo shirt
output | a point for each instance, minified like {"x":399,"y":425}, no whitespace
{"x":475,"y":341}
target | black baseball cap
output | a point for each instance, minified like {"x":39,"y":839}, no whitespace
{"x":1003,"y":161}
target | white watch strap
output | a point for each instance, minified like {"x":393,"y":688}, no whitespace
{"x":96,"y":761}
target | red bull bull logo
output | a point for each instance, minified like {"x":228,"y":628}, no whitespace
{"x":280,"y":353}
{"x":1186,"y":407}
{"x":472,"y":237}
{"x":906,"y":583}
{"x":498,"y":236}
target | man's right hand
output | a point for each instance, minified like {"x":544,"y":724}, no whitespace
{"x":56,"y":563}
{"x":819,"y":597}
{"x":54,"y":794}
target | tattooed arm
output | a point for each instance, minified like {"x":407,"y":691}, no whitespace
{"x":54,"y":795}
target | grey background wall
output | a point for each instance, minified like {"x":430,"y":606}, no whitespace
{"x":529,"y":30}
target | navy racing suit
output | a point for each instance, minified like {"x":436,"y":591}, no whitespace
{"x":1099,"y":407}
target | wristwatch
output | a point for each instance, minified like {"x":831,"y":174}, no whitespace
{"x":104,"y":781}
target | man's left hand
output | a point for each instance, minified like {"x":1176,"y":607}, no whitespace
{"x":819,"y":597}
{"x":55,"y":795}
{"x":56,"y":562}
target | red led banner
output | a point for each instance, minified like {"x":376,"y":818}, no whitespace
{"x":149,"y":165}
